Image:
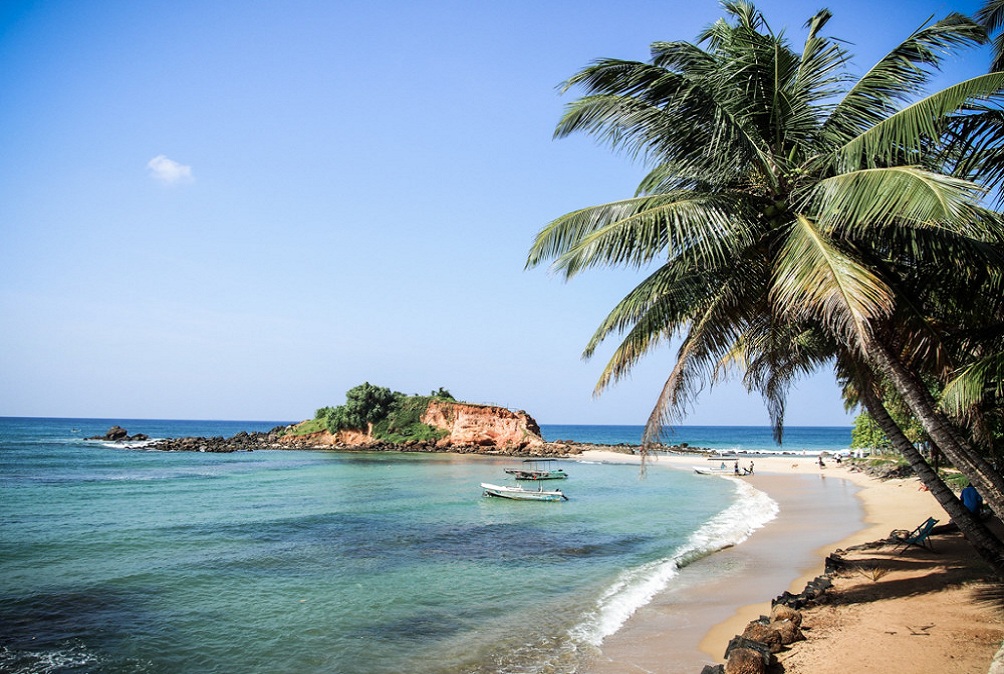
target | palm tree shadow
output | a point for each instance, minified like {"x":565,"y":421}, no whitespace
{"x":990,"y":595}
{"x":896,"y":572}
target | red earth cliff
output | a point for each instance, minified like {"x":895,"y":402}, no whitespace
{"x":466,"y":425}
{"x":483,"y":425}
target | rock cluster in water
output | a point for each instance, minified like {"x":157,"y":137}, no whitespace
{"x":119,"y":434}
{"x":242,"y":442}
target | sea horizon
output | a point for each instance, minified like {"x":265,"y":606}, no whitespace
{"x":287,"y":421}
{"x":722,"y":438}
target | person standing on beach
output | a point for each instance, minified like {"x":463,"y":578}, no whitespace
{"x":737,"y":466}
{"x":821,"y":464}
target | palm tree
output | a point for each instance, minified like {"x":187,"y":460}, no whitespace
{"x":773,"y":368}
{"x":784,"y":193}
{"x":991,"y":17}
{"x":989,"y":547}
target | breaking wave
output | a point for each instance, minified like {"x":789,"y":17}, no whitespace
{"x":636,"y":587}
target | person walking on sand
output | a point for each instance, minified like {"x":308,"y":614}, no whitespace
{"x":751,"y":469}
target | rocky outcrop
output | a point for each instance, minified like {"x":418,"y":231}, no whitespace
{"x":118,"y":434}
{"x":242,"y":442}
{"x":482,"y":425}
{"x":326,"y":440}
{"x":753,"y":651}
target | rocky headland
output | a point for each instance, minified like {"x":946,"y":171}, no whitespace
{"x":467,"y":429}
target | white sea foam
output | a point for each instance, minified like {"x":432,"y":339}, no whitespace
{"x":636,"y":587}
{"x":127,"y":444}
{"x":45,"y":662}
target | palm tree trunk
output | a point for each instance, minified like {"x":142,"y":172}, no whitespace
{"x":939,"y":429}
{"x":987,"y":545}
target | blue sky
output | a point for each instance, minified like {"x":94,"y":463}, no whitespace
{"x":234,"y":210}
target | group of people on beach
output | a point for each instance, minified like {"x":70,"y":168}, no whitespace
{"x":746,"y":471}
{"x":836,"y":457}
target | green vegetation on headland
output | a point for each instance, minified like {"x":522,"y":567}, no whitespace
{"x":386,"y":415}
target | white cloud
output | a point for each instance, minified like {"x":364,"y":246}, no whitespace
{"x":169,"y":171}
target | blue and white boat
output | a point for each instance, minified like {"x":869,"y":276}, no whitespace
{"x":520,"y":494}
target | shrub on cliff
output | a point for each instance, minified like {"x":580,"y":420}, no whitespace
{"x":404,"y":422}
{"x":387,"y":415}
{"x":364,"y":405}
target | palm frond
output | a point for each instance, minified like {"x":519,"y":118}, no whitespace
{"x":624,"y":123}
{"x":873,"y":198}
{"x":971,"y":146}
{"x":678,"y":394}
{"x":991,"y":17}
{"x":709,"y":304}
{"x":970,"y":387}
{"x":902,"y":137}
{"x":652,"y":113}
{"x":634,"y":232}
{"x":681,"y":57}
{"x":657,"y":307}
{"x":820,"y":76}
{"x":707,"y":341}
{"x":816,"y":281}
{"x":899,"y":76}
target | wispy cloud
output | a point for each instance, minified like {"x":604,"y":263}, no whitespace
{"x":169,"y":171}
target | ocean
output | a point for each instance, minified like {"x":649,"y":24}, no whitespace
{"x":122,"y":559}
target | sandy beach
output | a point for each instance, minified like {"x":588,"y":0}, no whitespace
{"x":915,"y":611}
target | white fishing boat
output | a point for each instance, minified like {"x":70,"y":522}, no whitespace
{"x":723,"y":469}
{"x":520,"y":494}
{"x":538,"y":469}
{"x":705,"y":470}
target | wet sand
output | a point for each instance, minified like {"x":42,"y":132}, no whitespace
{"x":670,"y":634}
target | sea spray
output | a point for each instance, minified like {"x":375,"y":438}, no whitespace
{"x":636,"y":587}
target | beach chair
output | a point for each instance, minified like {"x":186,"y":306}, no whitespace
{"x":921,"y":536}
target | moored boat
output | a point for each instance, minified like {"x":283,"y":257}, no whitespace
{"x":520,"y":494}
{"x":707,"y":470}
{"x":538,"y":469}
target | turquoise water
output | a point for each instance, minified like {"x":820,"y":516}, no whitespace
{"x":128,"y":560}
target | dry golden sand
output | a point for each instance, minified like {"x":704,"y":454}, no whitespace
{"x":915,"y":612}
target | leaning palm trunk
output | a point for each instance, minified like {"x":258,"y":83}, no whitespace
{"x":797,"y":198}
{"x":984,"y":477}
{"x":988,"y":546}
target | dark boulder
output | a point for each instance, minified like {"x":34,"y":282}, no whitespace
{"x":741,"y":643}
{"x":745,"y":661}
{"x":114,"y":434}
{"x":764,"y":634}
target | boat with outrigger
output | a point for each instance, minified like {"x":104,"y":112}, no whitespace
{"x":520,"y":493}
{"x":538,"y":469}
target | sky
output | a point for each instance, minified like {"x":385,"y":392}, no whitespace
{"x":241,"y":210}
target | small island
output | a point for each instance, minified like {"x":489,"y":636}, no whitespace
{"x":375,"y":418}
